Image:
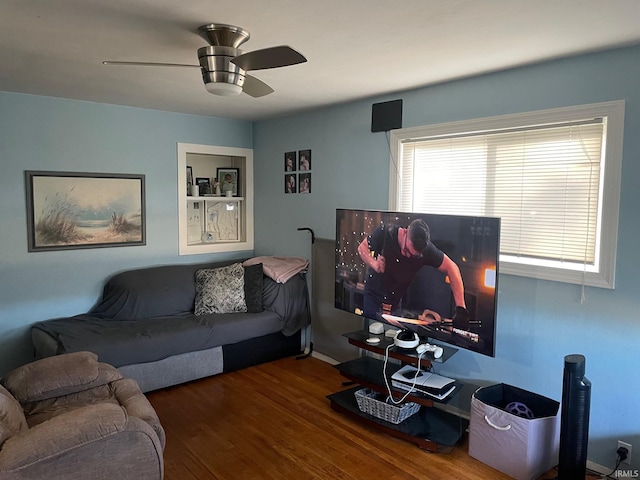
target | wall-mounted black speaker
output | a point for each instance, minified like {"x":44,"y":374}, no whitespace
{"x":386,"y":116}
{"x":574,"y":420}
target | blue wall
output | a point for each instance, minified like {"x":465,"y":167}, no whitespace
{"x":539,"y":322}
{"x":41,"y":133}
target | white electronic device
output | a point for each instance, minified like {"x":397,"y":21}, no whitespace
{"x":406,"y":339}
{"x":411,"y":379}
{"x":376,"y":328}
{"x":373,"y":340}
{"x":433,"y":349}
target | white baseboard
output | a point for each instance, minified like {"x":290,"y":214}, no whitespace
{"x":324,"y":358}
{"x":623,"y":471}
{"x":594,"y":467}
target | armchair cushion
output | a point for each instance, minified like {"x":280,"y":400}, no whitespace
{"x":58,"y":376}
{"x":12,"y":418}
{"x":62,"y":434}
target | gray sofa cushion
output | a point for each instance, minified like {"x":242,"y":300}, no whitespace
{"x":165,"y":290}
{"x":150,"y":292}
{"x":146,"y":340}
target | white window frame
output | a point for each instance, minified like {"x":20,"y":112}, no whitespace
{"x":604,"y":274}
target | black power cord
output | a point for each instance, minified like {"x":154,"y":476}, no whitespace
{"x":622,"y":456}
{"x":622,"y":453}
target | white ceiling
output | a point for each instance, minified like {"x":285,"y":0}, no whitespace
{"x":355,"y":49}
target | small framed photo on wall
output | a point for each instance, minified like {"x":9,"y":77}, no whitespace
{"x":304,"y":183}
{"x":304,"y":160}
{"x":290,"y":161}
{"x":290,"y":183}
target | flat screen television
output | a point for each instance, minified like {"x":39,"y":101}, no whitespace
{"x":435,"y":275}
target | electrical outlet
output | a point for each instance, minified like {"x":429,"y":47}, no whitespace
{"x":628,"y":447}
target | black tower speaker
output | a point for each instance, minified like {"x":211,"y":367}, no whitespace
{"x":386,"y":116}
{"x":574,"y":420}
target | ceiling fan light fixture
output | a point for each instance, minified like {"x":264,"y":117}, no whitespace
{"x":220,"y":76}
{"x":224,"y":66}
{"x":223,"y":89}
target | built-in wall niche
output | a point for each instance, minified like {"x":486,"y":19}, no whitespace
{"x":208,"y":223}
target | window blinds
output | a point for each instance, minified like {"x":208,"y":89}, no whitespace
{"x":543,"y":181}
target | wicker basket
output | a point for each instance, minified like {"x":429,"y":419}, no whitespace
{"x":369,"y":403}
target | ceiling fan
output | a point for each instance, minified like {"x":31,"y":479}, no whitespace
{"x":224,"y":66}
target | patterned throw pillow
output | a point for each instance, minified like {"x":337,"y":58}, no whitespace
{"x":220,"y":290}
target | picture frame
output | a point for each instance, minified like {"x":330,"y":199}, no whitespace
{"x":304,"y":160}
{"x":189,"y":177}
{"x":75,"y":210}
{"x":204,"y":185}
{"x":290,"y":183}
{"x":304,"y":183}
{"x":229,"y":179}
{"x":290,"y":161}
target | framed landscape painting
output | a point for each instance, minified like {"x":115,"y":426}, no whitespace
{"x":70,"y":210}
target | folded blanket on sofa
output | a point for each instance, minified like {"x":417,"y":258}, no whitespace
{"x":280,"y":269}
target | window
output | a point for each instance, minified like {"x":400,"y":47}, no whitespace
{"x":553,"y":177}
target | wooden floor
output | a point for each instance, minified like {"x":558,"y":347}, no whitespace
{"x":273,"y":421}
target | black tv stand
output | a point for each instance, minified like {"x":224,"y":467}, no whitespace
{"x":432,"y":428}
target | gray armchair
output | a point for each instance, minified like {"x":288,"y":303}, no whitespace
{"x":70,"y":417}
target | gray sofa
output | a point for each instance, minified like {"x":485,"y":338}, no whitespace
{"x":145,"y":324}
{"x":70,"y":417}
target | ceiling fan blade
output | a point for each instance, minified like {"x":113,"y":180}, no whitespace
{"x":255,"y":88}
{"x":272,"y":57}
{"x":149,"y":64}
